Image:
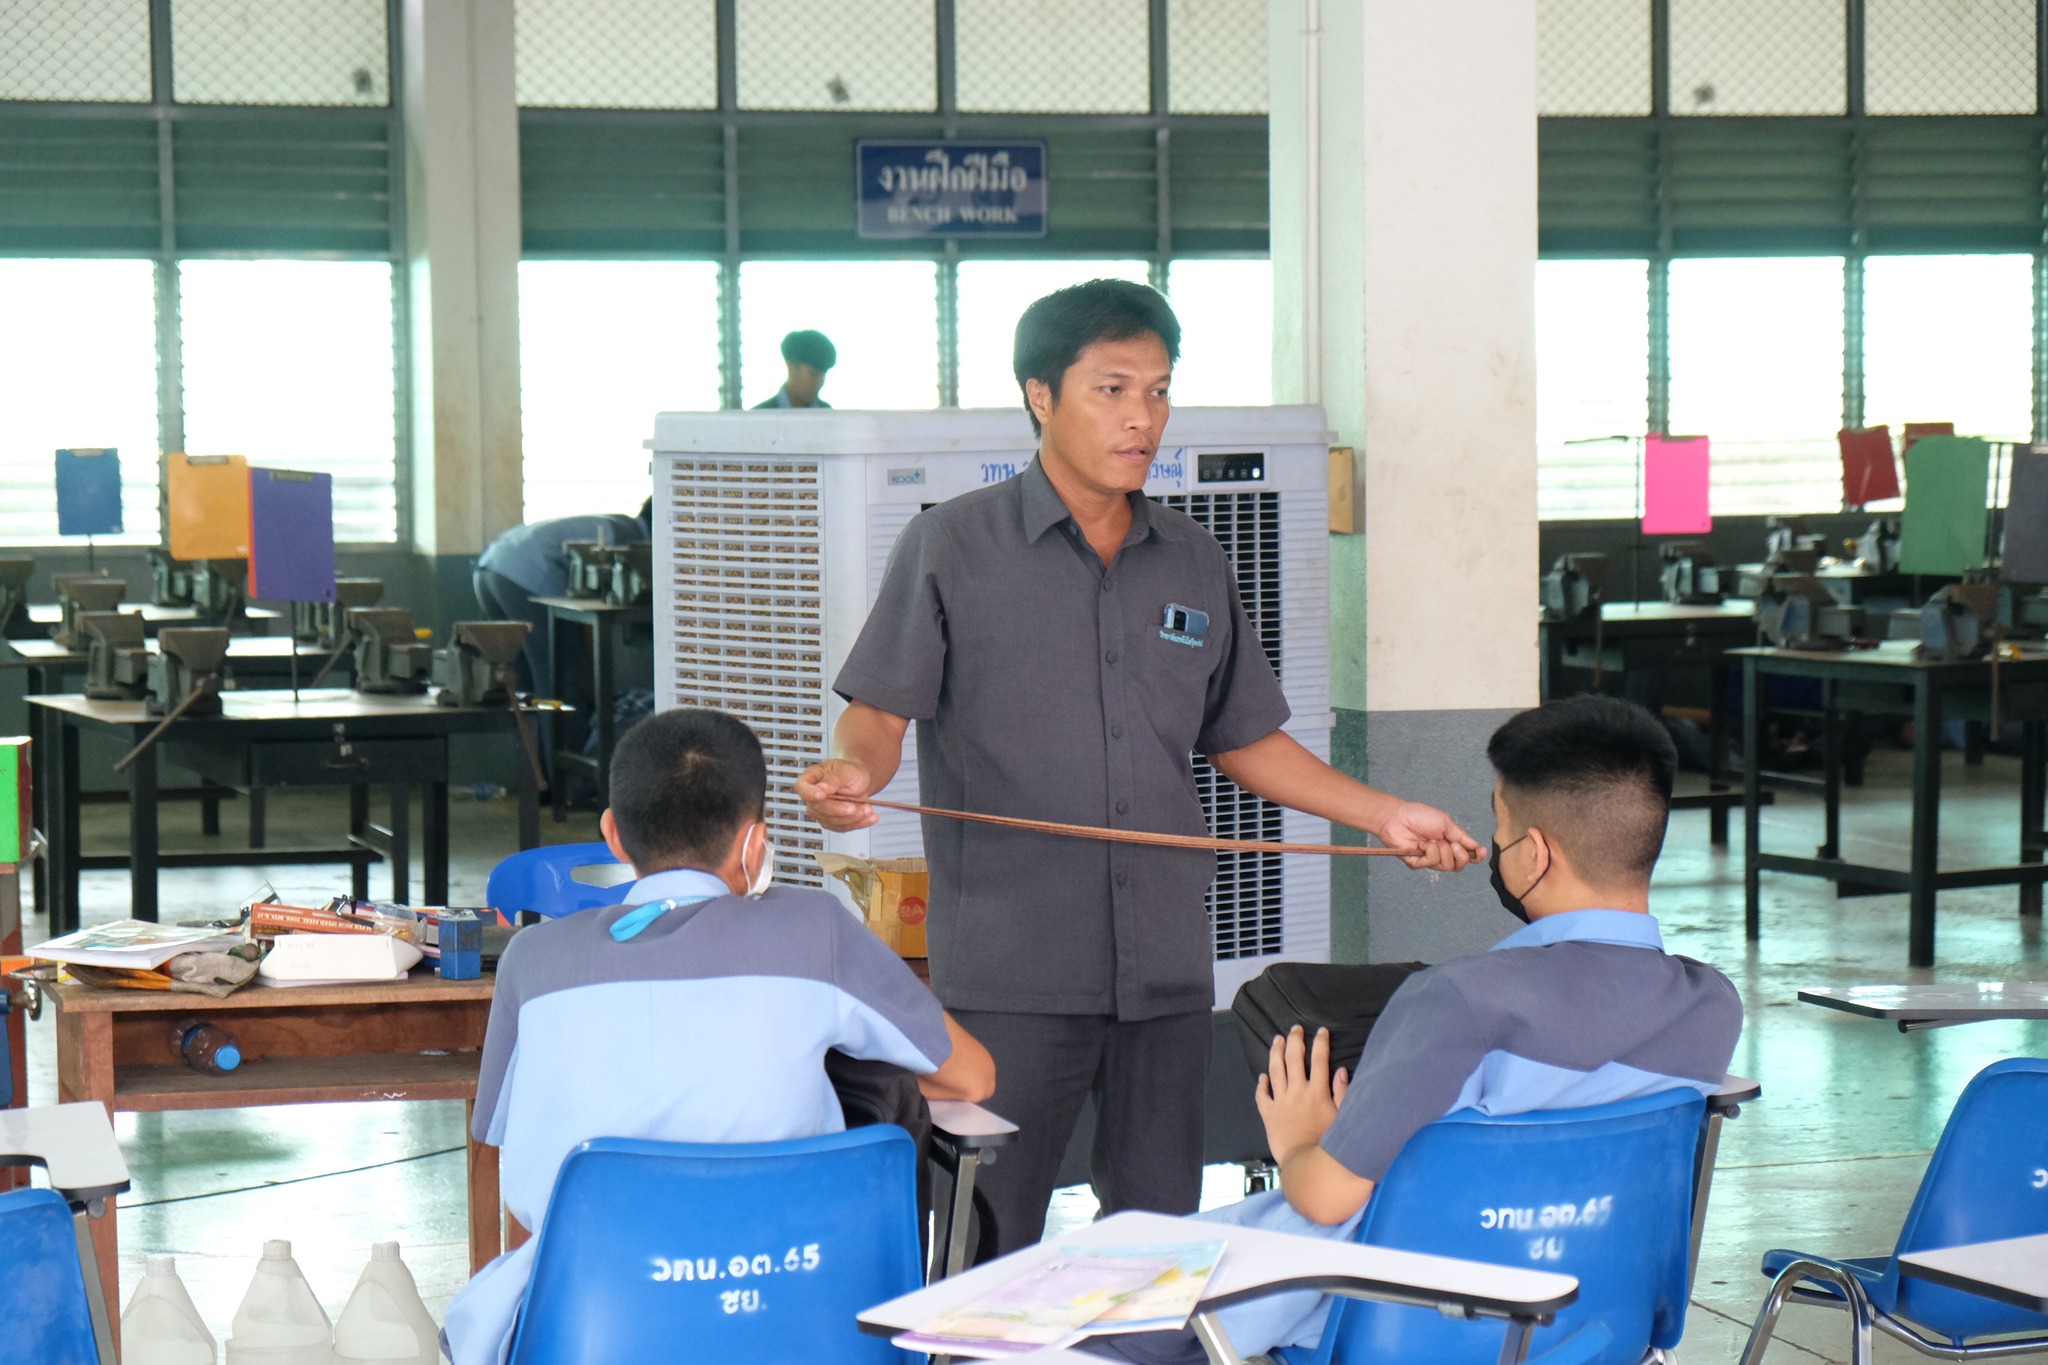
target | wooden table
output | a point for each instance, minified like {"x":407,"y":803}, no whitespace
{"x":155,"y":617}
{"x":2011,"y":1270}
{"x":1916,"y":1007}
{"x":331,"y":737}
{"x":1890,"y":680}
{"x":609,"y":624}
{"x":300,"y":1045}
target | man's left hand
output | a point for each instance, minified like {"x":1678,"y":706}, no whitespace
{"x":1434,"y":840}
{"x":1297,"y":1096}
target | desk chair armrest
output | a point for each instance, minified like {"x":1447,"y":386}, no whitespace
{"x":964,"y":1136}
{"x":1735,"y":1092}
{"x":1869,"y":1270}
{"x":73,"y":1143}
{"x":959,"y":1126}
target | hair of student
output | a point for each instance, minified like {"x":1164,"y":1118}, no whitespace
{"x":1594,"y":774}
{"x":1057,"y":328}
{"x":647,"y":512}
{"x":683,"y":783}
{"x":807,"y":347}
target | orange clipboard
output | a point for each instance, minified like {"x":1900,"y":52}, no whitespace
{"x":209,"y":500}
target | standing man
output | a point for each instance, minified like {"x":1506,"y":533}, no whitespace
{"x":808,"y":355}
{"x":1064,"y":645}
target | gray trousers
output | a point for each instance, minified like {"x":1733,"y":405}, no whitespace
{"x":1148,"y":1078}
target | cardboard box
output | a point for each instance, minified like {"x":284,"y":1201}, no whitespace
{"x":892,"y":894}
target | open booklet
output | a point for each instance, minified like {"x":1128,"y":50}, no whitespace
{"x":1079,"y":1293}
{"x":136,"y":944}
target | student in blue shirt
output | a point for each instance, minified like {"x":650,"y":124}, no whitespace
{"x":1581,"y":1007}
{"x":809,"y":356}
{"x":528,"y":562}
{"x":700,"y":1010}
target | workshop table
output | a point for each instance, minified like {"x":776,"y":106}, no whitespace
{"x":1636,"y":637}
{"x":608,"y":626}
{"x":416,"y":1039}
{"x":2011,"y":1270}
{"x":330,"y":737}
{"x":1256,"y":1264}
{"x":1915,"y":1007}
{"x":155,"y":617}
{"x":1891,"y":680}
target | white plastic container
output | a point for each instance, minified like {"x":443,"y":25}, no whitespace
{"x":280,"y":1321}
{"x":161,"y":1326}
{"x":385,"y":1320}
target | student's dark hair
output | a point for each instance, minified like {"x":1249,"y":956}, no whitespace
{"x":683,"y":782}
{"x":1055,"y":330}
{"x":1594,"y":774}
{"x":647,"y":512}
{"x":807,"y":347}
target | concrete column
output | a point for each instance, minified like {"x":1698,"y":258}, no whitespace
{"x":1404,"y":253}
{"x":462,"y":239}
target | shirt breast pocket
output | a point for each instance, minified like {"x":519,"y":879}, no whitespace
{"x":1178,"y":658}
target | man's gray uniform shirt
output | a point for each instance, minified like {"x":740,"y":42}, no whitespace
{"x":1047,"y":686}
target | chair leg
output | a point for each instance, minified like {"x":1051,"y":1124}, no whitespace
{"x":1215,"y":1341}
{"x":95,"y":1294}
{"x":1782,"y":1287}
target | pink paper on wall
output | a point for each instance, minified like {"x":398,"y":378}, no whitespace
{"x":1675,"y":484}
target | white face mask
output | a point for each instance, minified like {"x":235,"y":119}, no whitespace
{"x":764,"y":878}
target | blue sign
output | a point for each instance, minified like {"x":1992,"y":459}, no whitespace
{"x":950,"y":189}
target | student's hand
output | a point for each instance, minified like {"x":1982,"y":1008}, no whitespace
{"x":833,"y":793}
{"x":1297,"y":1096}
{"x":1434,"y":838}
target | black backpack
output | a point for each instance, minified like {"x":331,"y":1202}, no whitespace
{"x":1345,"y":998}
{"x":877,"y":1092}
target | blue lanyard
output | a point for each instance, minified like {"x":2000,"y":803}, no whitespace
{"x":633,"y":921}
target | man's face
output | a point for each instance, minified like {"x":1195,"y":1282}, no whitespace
{"x":804,"y":383}
{"x":1104,"y":429}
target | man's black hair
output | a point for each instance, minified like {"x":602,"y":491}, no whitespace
{"x":683,"y":783}
{"x":807,"y":347}
{"x":647,"y":513}
{"x":1055,"y":330}
{"x":1593,"y":773}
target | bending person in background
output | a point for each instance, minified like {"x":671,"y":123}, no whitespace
{"x":528,"y":562}
{"x":1582,"y":1007}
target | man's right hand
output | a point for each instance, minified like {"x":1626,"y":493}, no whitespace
{"x":835,"y":793}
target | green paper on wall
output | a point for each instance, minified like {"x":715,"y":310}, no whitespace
{"x":1942,"y":528}
{"x":14,"y":802}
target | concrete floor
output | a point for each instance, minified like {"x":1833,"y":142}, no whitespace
{"x":1827,"y":1161}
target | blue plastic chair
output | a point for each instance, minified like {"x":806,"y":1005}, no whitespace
{"x":758,"y":1252}
{"x":44,"y":1313}
{"x":1603,"y":1192}
{"x":1979,"y":1187}
{"x":540,"y":880}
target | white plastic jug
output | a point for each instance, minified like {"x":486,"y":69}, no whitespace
{"x":385,"y":1319}
{"x":161,"y":1326}
{"x":280,"y":1321}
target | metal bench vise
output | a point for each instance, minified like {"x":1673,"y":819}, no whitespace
{"x":185,"y":672}
{"x":390,"y":656}
{"x":116,"y":654}
{"x":1796,"y":611}
{"x":475,"y":667}
{"x":1690,"y":578}
{"x":1960,"y":622}
{"x":170,"y":580}
{"x":220,"y":587}
{"x":78,"y":594}
{"x":632,"y":575}
{"x":324,"y":625}
{"x":1575,"y":588}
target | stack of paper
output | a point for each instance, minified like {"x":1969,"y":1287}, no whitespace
{"x":1079,"y":1293}
{"x":136,"y":944}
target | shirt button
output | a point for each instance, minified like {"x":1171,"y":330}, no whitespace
{"x":1116,"y":732}
{"x":1105,"y":585}
{"x":1110,"y":657}
{"x":1121,"y":878}
{"x":1123,"y":808}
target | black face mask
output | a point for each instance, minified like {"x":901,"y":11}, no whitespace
{"x":1508,"y":900}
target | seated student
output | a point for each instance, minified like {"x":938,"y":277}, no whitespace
{"x":1582,"y":1007}
{"x":700,"y":1010}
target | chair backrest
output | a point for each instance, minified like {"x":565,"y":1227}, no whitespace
{"x":542,"y":880}
{"x":1988,"y":1180}
{"x":1603,"y":1193}
{"x":761,"y":1252}
{"x":43,"y":1311}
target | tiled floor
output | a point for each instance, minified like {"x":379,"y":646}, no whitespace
{"x":1827,"y":1161}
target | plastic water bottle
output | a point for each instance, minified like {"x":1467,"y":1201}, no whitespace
{"x":280,"y":1321}
{"x":486,"y":791}
{"x":385,"y":1319}
{"x":206,"y":1046}
{"x":161,"y":1326}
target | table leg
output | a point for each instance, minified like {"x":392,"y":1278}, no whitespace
{"x":142,"y":832}
{"x":1752,"y":796}
{"x":1717,"y":752}
{"x":41,"y":758}
{"x":434,"y":837}
{"x":359,"y":830}
{"x":401,"y":843}
{"x":65,"y":844}
{"x":259,"y":817}
{"x":2033,"y":752}
{"x":85,"y":1071}
{"x":1553,"y":662}
{"x":209,"y":807}
{"x":1926,"y":838}
{"x":604,"y":645}
{"x":555,"y":723}
{"x":1831,"y":770}
{"x":529,"y":805}
{"x":485,"y":1210}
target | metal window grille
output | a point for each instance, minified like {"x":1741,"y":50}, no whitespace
{"x":1053,"y":56}
{"x":280,"y":52}
{"x":1949,"y":56}
{"x":797,"y":54}
{"x":1758,"y":57}
{"x":1216,"y":51}
{"x":622,"y":54}
{"x":1593,"y":58}
{"x":746,"y":599}
{"x":75,"y":50}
